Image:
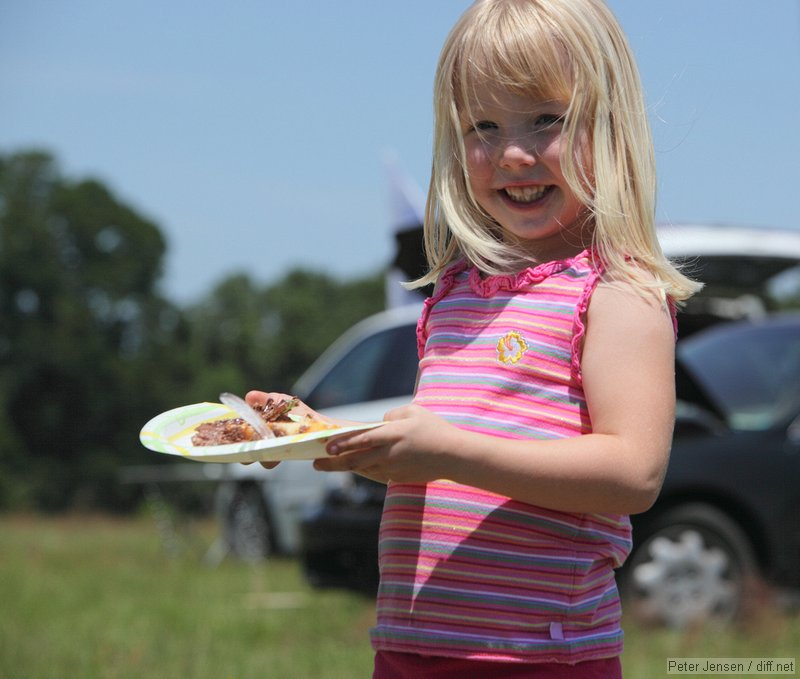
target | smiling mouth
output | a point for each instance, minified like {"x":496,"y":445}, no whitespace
{"x":525,"y":194}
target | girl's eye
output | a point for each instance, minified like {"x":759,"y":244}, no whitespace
{"x":549,"y":119}
{"x":484,"y":126}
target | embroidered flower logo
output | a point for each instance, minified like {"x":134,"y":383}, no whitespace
{"x":511,"y":347}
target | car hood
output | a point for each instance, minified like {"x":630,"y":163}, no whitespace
{"x":745,"y":372}
{"x":690,"y":389}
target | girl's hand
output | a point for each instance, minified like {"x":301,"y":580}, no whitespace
{"x":257,"y":399}
{"x":409,"y":448}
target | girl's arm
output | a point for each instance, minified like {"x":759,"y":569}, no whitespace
{"x":628,"y":376}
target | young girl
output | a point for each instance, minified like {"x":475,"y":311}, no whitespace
{"x":544,"y":408}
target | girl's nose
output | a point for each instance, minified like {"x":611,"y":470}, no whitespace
{"x":517,"y":153}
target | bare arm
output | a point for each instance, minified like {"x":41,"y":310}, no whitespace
{"x":628,"y":374}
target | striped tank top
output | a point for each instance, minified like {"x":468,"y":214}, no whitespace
{"x":472,"y":574}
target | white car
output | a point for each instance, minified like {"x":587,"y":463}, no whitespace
{"x":372,"y":367}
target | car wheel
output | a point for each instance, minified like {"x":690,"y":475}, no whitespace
{"x":247,"y":527}
{"x":693,"y":565}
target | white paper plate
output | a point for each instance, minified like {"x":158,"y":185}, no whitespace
{"x":171,"y":433}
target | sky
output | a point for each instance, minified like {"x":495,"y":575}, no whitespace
{"x":254,"y":133}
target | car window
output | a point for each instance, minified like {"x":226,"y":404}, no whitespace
{"x":383,"y":365}
{"x":751,"y":373}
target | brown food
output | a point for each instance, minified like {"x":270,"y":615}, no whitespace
{"x":236,"y":430}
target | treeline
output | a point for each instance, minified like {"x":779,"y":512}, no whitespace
{"x":90,"y":349}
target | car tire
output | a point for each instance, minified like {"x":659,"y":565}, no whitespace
{"x":692,"y":565}
{"x":246,"y":525}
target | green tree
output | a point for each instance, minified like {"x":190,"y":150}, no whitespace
{"x":81,"y":315}
{"x":310,"y":310}
{"x":249,"y":337}
{"x":90,"y":350}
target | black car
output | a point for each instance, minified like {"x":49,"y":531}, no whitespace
{"x":727,"y":516}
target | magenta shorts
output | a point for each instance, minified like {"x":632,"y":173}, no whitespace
{"x":390,"y":665}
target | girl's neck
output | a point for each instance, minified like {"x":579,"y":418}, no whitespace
{"x":569,"y":242}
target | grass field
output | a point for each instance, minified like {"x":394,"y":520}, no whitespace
{"x":92,"y":597}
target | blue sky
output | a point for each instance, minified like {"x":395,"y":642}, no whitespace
{"x":253,"y":132}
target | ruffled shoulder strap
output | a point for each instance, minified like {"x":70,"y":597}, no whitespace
{"x":442,"y":287}
{"x":579,"y":321}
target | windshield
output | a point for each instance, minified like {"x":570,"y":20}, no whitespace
{"x":383,"y":365}
{"x":752,"y":372}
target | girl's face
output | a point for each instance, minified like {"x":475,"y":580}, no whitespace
{"x":514,"y":147}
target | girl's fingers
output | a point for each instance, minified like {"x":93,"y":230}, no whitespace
{"x":347,"y":444}
{"x":344,"y":463}
{"x":259,"y":398}
{"x":360,"y":440}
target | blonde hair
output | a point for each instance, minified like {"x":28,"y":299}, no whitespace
{"x":564,"y":50}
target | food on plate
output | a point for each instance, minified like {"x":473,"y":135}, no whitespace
{"x":274,"y":413}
